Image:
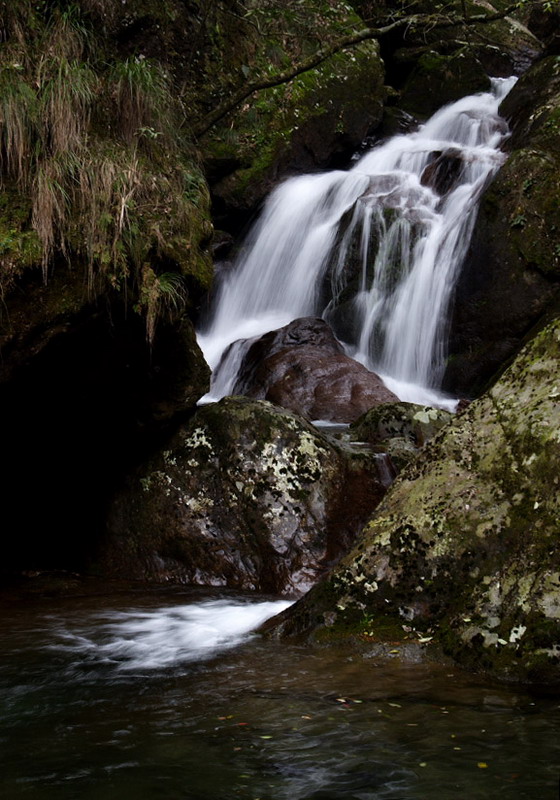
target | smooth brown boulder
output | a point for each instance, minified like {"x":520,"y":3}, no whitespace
{"x":303,"y":367}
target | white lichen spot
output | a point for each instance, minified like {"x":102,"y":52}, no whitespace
{"x":197,"y":439}
{"x":529,"y":459}
{"x":516,"y":633}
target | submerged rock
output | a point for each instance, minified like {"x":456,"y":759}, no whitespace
{"x":465,"y":544}
{"x":304,"y":368}
{"x":247,"y":496}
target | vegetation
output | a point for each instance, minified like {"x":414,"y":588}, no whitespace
{"x":95,"y":146}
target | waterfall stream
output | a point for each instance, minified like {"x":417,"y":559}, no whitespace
{"x":375,"y":250}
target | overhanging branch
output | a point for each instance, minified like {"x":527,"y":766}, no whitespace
{"x":431,"y":21}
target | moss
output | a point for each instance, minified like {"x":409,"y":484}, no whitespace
{"x":315,"y":112}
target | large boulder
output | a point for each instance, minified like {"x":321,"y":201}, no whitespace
{"x":304,"y":368}
{"x":247,"y":496}
{"x":464,"y":550}
{"x":511,"y":275}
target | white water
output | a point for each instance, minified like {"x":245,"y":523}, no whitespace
{"x":411,"y":243}
{"x":141,"y":640}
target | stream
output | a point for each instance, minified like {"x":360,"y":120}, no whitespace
{"x":143,"y":696}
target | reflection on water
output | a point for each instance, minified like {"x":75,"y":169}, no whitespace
{"x":124,"y":702}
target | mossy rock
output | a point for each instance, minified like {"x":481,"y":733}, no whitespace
{"x":247,"y":495}
{"x":315,"y":121}
{"x":440,"y":79}
{"x":414,"y":423}
{"x":466,"y":540}
{"x":399,"y":429}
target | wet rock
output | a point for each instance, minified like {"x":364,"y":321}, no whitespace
{"x":444,"y":171}
{"x":399,"y":429}
{"x":304,"y":368}
{"x":511,"y":275}
{"x":464,"y":548}
{"x":246,"y":496}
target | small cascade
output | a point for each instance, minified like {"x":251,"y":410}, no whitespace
{"x":376,"y":251}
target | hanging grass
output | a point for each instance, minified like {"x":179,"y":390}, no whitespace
{"x":68,"y":90}
{"x":19,"y":113}
{"x":144,"y":104}
{"x":96,"y":149}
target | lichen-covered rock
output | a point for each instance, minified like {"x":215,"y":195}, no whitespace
{"x":466,"y":541}
{"x":399,"y":429}
{"x":248,"y":496}
{"x":303,"y":367}
{"x":512,"y":273}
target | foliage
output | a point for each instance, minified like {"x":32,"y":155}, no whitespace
{"x":94,"y":142}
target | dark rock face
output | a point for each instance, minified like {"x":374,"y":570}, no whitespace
{"x":247,"y":496}
{"x":432,"y":68}
{"x":444,"y":171}
{"x":304,"y":368}
{"x":82,"y":396}
{"x":438,"y":79}
{"x":465,"y":543}
{"x":511,"y":276}
{"x":317,"y":124}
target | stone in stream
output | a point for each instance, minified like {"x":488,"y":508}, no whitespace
{"x":399,"y":429}
{"x":303,"y":367}
{"x":248,"y":496}
{"x":443,"y":173}
{"x":463,"y":550}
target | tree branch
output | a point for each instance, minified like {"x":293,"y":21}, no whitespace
{"x":324,"y":53}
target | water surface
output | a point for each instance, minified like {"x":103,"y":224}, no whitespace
{"x":130,"y":698}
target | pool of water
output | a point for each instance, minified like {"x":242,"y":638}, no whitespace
{"x":130,"y":698}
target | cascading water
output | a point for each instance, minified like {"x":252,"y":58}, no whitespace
{"x":376,"y":251}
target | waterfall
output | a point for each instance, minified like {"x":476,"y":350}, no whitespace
{"x":375,"y":250}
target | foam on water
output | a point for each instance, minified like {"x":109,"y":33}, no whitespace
{"x":139,"y":640}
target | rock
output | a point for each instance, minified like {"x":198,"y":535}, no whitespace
{"x":511,"y":275}
{"x":444,"y":171}
{"x":82,"y":395}
{"x":465,"y":544}
{"x":247,"y":496}
{"x":399,"y":429}
{"x":433,"y":67}
{"x":304,"y":368}
{"x":438,"y":79}
{"x":316,"y":122}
